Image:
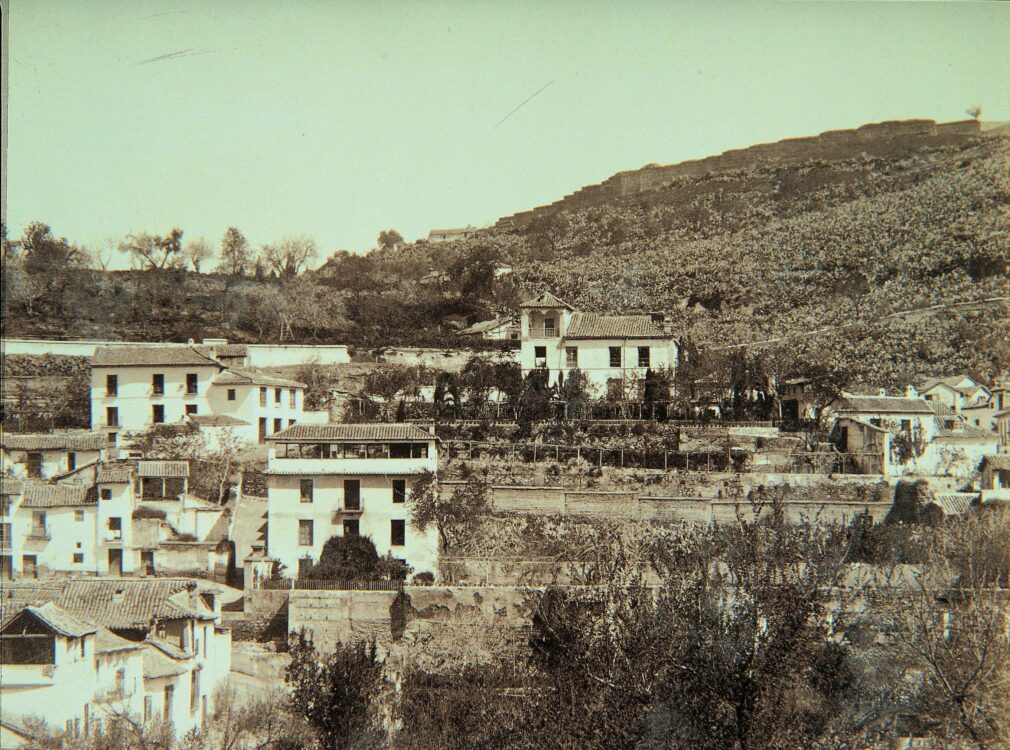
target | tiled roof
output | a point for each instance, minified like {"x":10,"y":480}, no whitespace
{"x":114,"y":474}
{"x":215,"y":420}
{"x":150,"y":356}
{"x":167,"y":648}
{"x":16,"y":595}
{"x":955,"y":503}
{"x":163,"y":468}
{"x":967,"y":433}
{"x":10,"y":486}
{"x":999,"y":461}
{"x":886,"y":404}
{"x":372,"y":431}
{"x":62,"y":622}
{"x":157,"y":665}
{"x":107,"y":642}
{"x":486,"y":325}
{"x":950,"y":381}
{"x":250,"y":376}
{"x":223,"y":350}
{"x":41,"y":495}
{"x":122,"y":603}
{"x":593,"y":326}
{"x":941,"y":409}
{"x":88,"y":441}
{"x":546,"y":300}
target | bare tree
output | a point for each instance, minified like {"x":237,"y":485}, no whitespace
{"x":198,"y":251}
{"x":291,"y":256}
{"x":152,"y":250}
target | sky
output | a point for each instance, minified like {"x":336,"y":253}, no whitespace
{"x":339,"y":119}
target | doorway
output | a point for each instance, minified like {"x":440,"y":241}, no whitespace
{"x":115,"y":562}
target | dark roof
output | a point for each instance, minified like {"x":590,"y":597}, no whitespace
{"x":941,"y":409}
{"x":41,"y":495}
{"x":593,"y":326}
{"x":122,"y":603}
{"x":251,"y":376}
{"x":885,"y":404}
{"x":150,"y":356}
{"x":114,"y":474}
{"x":372,"y":431}
{"x":16,"y":595}
{"x":10,"y":486}
{"x":215,"y":420}
{"x":163,"y":468}
{"x":999,"y":461}
{"x":88,"y":441}
{"x":546,"y":300}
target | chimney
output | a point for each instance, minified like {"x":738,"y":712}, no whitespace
{"x":117,"y":597}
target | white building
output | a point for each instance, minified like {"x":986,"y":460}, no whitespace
{"x":451,"y":234}
{"x":152,"y":649}
{"x":347,"y":479}
{"x":496,"y":329}
{"x":614,"y":351}
{"x":135,"y":388}
{"x":49,"y":455}
{"x":956,"y":391}
{"x":984,"y":413}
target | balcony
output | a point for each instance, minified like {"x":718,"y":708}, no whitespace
{"x":39,"y":533}
{"x":309,"y":466}
{"x":540,"y":332}
{"x":342,"y":514}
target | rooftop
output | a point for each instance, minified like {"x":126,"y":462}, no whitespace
{"x":157,"y":665}
{"x":251,"y":376}
{"x":107,"y":642}
{"x":81,"y":441}
{"x":967,"y":433}
{"x":42,"y":495}
{"x":150,"y":356}
{"x":163,"y":468}
{"x":1000,"y":461}
{"x":886,"y":404}
{"x":487,"y":325}
{"x":367,"y":432}
{"x":593,"y":326}
{"x":216,"y":420}
{"x":60,"y":621}
{"x":114,"y":474}
{"x":955,"y":503}
{"x":123,"y":603}
{"x":546,"y":300}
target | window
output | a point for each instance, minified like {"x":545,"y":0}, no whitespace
{"x":351,"y":527}
{"x":116,"y":527}
{"x":105,"y":493}
{"x":78,"y":558}
{"x":38,"y":523}
{"x":643,"y":357}
{"x":306,"y":490}
{"x":305,"y":533}
{"x":78,"y":515}
{"x":166,"y":710}
{"x":352,"y":494}
{"x":112,"y":416}
{"x":5,"y":535}
{"x":906,"y":425}
{"x":263,"y":429}
{"x":34,"y":464}
{"x":399,"y":490}
{"x":71,"y":461}
{"x":278,"y":425}
{"x":292,"y":398}
{"x":148,"y":707}
{"x":29,"y":565}
{"x":263,"y":396}
{"x":158,"y":413}
{"x":111,"y":385}
{"x":231,"y":394}
{"x":572,"y":357}
{"x":549,"y":329}
{"x":205,"y":643}
{"x":191,"y":383}
{"x":194,"y":691}
{"x":147,"y":561}
{"x":540,"y":352}
{"x":277,"y":395}
{"x":397,"y":532}
{"x":84,"y":641}
{"x":191,"y":409}
{"x":111,"y":438}
{"x":615,"y":356}
{"x":158,"y":384}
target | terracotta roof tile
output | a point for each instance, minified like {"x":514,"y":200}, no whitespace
{"x":163,"y":468}
{"x":49,"y":442}
{"x":593,"y":326}
{"x":150,"y":356}
{"x":251,"y":376}
{"x":41,"y":495}
{"x":955,"y":503}
{"x":121,"y":603}
{"x":157,"y":665}
{"x":114,"y":474}
{"x":967,"y":433}
{"x":886,"y":404}
{"x":61,"y":621}
{"x":999,"y":461}
{"x":107,"y":642}
{"x":371,"y":431}
{"x":546,"y":300}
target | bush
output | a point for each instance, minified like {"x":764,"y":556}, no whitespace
{"x":143,"y":512}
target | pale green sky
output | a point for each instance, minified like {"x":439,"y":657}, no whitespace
{"x":339,"y":119}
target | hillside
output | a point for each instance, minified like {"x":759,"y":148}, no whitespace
{"x":836,"y":232}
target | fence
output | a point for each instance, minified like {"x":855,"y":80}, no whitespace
{"x":312,"y":584}
{"x":728,"y":459}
